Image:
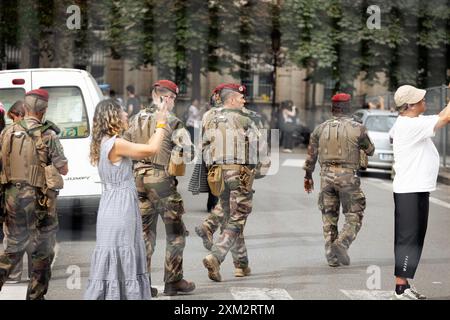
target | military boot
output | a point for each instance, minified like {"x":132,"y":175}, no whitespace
{"x":182,"y":286}
{"x":206,"y":235}
{"x":153,"y":292}
{"x":242,"y":272}
{"x":341,"y":253}
{"x":212,"y":264}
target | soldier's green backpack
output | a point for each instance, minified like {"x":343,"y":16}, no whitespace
{"x":24,"y":155}
{"x":338,"y":143}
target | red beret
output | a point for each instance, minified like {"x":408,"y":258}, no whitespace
{"x":168,"y":85}
{"x":341,"y":97}
{"x":40,"y":93}
{"x":231,"y":86}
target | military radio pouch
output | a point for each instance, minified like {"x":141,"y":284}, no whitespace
{"x":177,"y":167}
{"x":53,"y":178}
{"x":363,"y":160}
{"x":247,"y":176}
{"x":215,"y":180}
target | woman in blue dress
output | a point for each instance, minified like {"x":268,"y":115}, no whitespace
{"x":118,"y":265}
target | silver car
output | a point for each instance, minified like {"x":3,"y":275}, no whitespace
{"x":378,"y":124}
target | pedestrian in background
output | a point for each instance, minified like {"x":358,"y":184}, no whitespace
{"x":416,"y":164}
{"x":133,"y":105}
{"x":337,"y":143}
{"x":118,"y":265}
{"x":288,"y":125}
{"x":194,"y":118}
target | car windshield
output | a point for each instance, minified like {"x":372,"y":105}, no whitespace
{"x":380,"y":123}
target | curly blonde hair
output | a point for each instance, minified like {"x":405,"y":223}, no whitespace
{"x":107,"y":122}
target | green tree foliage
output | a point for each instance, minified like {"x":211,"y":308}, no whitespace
{"x":190,"y":37}
{"x":332,"y":40}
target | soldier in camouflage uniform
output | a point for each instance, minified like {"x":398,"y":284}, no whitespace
{"x":217,"y":218}
{"x":337,"y":143}
{"x":239,"y":163}
{"x":26,"y":148}
{"x":157,"y":189}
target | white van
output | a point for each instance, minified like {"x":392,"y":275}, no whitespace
{"x":73,"y":95}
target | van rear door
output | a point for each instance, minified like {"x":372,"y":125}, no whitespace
{"x":71,"y":107}
{"x":13,"y":85}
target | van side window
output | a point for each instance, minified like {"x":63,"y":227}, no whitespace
{"x":66,"y":108}
{"x":9,"y":96}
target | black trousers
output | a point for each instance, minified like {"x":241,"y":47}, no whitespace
{"x":411,"y":220}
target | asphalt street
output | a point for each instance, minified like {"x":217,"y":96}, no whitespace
{"x":285,"y":244}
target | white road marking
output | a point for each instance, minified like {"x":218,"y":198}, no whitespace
{"x":56,"y":255}
{"x":14,"y":292}
{"x":368,"y":294}
{"x":437,"y":282}
{"x":259,"y":294}
{"x":440,"y":202}
{"x":388,"y":186}
{"x":297,"y":163}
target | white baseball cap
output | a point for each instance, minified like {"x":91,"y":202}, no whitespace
{"x":408,"y":95}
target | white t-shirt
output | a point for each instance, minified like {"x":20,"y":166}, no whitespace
{"x":416,"y":159}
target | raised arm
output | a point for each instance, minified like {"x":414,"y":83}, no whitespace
{"x":444,"y":118}
{"x":138,"y":151}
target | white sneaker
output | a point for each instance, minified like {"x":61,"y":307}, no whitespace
{"x":408,"y":294}
{"x":417,"y":293}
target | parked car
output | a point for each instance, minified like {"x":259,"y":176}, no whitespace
{"x":378,"y":124}
{"x":73,"y":97}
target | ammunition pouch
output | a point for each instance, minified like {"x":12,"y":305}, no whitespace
{"x":215,"y":180}
{"x":363,"y":160}
{"x":176,"y":170}
{"x":36,"y":176}
{"x":53,"y":178}
{"x":246,"y":177}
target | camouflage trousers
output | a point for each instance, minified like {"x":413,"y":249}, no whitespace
{"x":158,"y":196}
{"x":28,"y":224}
{"x":217,"y":218}
{"x":340,"y":186}
{"x":236,"y":201}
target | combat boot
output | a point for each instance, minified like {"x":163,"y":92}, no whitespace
{"x":206,"y":235}
{"x":153,"y":292}
{"x":341,"y":253}
{"x":242,"y":272}
{"x":212,"y":264}
{"x":183,"y":286}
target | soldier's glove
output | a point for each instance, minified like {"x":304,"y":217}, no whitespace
{"x":309,"y":185}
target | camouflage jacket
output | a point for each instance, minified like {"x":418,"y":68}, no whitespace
{"x":363,"y":141}
{"x":176,"y":142}
{"x":245,"y":126}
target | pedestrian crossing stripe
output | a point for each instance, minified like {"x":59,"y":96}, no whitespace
{"x":368,"y":294}
{"x":240,"y":293}
{"x":14,"y":292}
{"x":244,"y":293}
{"x":297,"y":163}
